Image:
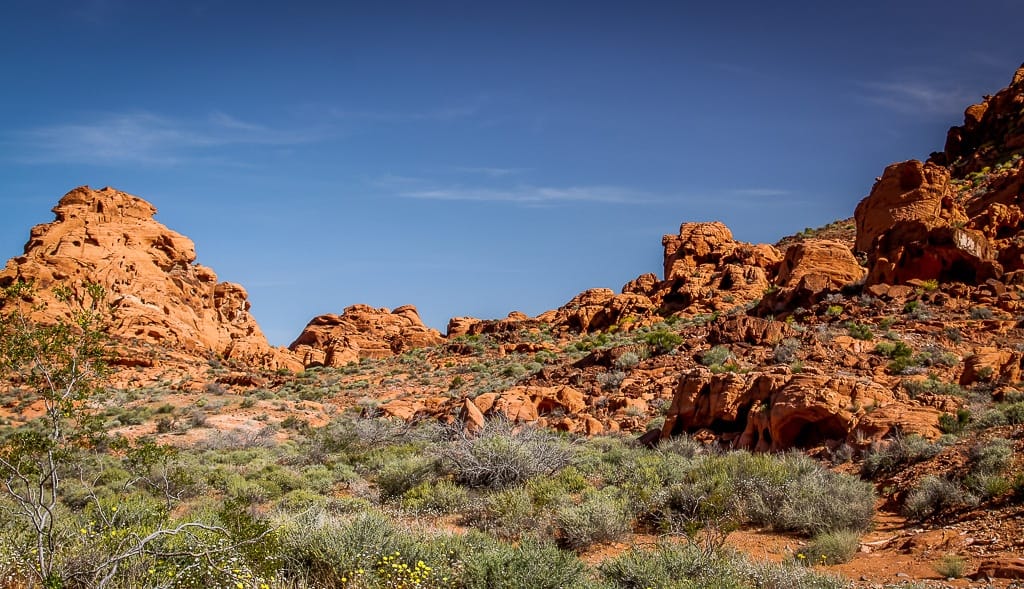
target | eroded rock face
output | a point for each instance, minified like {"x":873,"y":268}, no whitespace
{"x":913,"y":226}
{"x":777,"y":411}
{"x":991,"y":129}
{"x":599,"y":308}
{"x":907,"y":191}
{"x":809,"y":270}
{"x":362,"y":331}
{"x":706,"y":270}
{"x":157,"y":293}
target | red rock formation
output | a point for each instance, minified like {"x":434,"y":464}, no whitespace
{"x":362,"y":331}
{"x":991,"y":130}
{"x":776,"y":411}
{"x":706,"y":270}
{"x":907,"y":191}
{"x":157,"y":294}
{"x":913,"y":227}
{"x":598,"y":309}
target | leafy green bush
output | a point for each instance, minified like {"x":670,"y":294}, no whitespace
{"x":860,"y":331}
{"x":662,"y":341}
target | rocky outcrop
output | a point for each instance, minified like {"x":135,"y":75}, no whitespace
{"x":598,"y":309}
{"x":157,"y":294}
{"x":772,"y":411}
{"x":907,"y":191}
{"x":809,"y":270}
{"x":991,"y":130}
{"x":706,"y":270}
{"x":362,"y":331}
{"x":914,"y":228}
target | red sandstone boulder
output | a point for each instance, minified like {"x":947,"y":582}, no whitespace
{"x":362,"y":331}
{"x":907,"y":191}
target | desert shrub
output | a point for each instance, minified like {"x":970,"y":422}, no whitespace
{"x":987,"y":486}
{"x":1014,"y":412}
{"x":545,"y":491}
{"x":716,"y":356}
{"x":953,"y":334}
{"x":627,"y":360}
{"x":684,"y":446}
{"x":900,"y":353}
{"x":955,"y":424}
{"x":981,"y":313}
{"x":859,"y":331}
{"x":991,"y":457}
{"x":951,"y":566}
{"x":399,"y":476}
{"x":934,"y":496}
{"x":662,"y":341}
{"x":610,"y":381}
{"x":797,"y":494}
{"x":1017,"y":486}
{"x":300,"y":499}
{"x":528,"y":565}
{"x":669,"y":565}
{"x":508,"y":514}
{"x":992,"y":417}
{"x":601,"y":516}
{"x":435,"y":497}
{"x":501,"y":456}
{"x":685,"y":566}
{"x":322,"y":549}
{"x":916,"y":310}
{"x":785,"y":351}
{"x":829,"y":548}
{"x":931,"y":385}
{"x":897,"y":452}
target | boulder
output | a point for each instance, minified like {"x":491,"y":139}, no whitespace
{"x":362,"y":331}
{"x":907,"y":191}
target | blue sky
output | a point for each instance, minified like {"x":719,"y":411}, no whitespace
{"x":474,"y":158}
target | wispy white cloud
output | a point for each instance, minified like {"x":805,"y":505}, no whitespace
{"x":441,"y":114}
{"x":491,"y":172}
{"x":912,"y":96}
{"x":757,"y":192}
{"x":534,"y":195}
{"x":146,"y":138}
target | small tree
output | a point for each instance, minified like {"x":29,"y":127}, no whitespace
{"x":57,"y":364}
{"x":60,"y":365}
